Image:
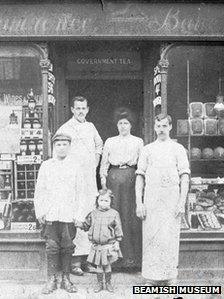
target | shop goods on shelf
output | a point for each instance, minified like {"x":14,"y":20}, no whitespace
{"x":209,"y":110}
{"x":210,"y":127}
{"x":182,"y":127}
{"x":196,"y":126}
{"x":196,"y":109}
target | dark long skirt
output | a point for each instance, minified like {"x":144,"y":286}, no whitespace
{"x":122,"y":184}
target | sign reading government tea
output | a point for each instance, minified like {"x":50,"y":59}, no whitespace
{"x":108,"y":61}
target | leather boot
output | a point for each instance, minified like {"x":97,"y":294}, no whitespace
{"x":52,"y":268}
{"x":50,"y":286}
{"x":109,"y":286}
{"x":99,"y":285}
{"x":66,"y":284}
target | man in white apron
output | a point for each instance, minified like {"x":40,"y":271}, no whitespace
{"x":85,"y":150}
{"x":163,"y":173}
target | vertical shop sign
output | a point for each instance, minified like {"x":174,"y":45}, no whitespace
{"x":157,"y":86}
{"x":50,"y":85}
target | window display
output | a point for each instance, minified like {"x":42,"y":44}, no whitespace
{"x":195,"y":91}
{"x":21,"y":149}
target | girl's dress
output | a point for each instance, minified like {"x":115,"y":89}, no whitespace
{"x":104,"y":232}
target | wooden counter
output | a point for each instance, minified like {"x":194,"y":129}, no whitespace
{"x":22,"y":256}
{"x":201,"y":255}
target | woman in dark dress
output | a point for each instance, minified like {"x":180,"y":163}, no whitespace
{"x":117,"y":172}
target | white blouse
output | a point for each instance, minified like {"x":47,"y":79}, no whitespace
{"x":120,"y":150}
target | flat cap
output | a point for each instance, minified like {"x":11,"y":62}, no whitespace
{"x":61,"y":137}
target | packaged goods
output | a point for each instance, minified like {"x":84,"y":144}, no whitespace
{"x":208,"y":220}
{"x":209,"y":109}
{"x":196,"y":109}
{"x":207,"y":153}
{"x":196,"y":126}
{"x":221,"y":126}
{"x":182,"y":127}
{"x":195,"y":153}
{"x":219,"y":153}
{"x":210,"y":126}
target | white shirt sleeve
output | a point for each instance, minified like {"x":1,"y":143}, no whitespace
{"x":40,"y":195}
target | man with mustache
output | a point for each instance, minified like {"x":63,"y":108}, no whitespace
{"x":86,"y":149}
{"x":161,"y":189}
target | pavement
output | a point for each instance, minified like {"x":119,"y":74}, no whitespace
{"x":123,"y":283}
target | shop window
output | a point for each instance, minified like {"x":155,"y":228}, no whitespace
{"x":21,"y":133}
{"x":195,"y":84}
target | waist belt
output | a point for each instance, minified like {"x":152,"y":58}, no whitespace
{"x":123,"y":166}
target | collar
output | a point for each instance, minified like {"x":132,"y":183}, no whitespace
{"x":76,"y":121}
{"x":163,"y":141}
{"x":103,"y":210}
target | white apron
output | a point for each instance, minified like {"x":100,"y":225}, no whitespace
{"x":161,"y":229}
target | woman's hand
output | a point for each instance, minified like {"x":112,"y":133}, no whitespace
{"x":42,"y":220}
{"x":103,"y":183}
{"x":78,"y":223}
{"x":141,"y":211}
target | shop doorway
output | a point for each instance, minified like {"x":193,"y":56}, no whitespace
{"x":104,"y":96}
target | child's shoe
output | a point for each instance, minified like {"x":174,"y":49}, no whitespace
{"x":99,"y":284}
{"x":109,"y":286}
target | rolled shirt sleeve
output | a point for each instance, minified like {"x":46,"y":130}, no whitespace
{"x":182,"y":161}
{"x":142,"y":162}
{"x":104,"y":166}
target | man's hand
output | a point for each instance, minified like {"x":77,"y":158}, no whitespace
{"x":42,"y":220}
{"x":141,"y":211}
{"x":97,"y":158}
{"x":180,"y":210}
{"x":116,"y":246}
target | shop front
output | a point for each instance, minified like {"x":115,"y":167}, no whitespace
{"x":148,"y":57}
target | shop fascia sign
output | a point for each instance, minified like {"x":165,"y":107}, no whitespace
{"x":50,"y":85}
{"x":120,"y":18}
{"x":157,"y":86}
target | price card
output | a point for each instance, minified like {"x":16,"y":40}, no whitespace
{"x":23,"y":226}
{"x":32,"y":133}
{"x":5,"y":165}
{"x":27,"y":159}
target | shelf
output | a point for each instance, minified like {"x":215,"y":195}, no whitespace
{"x":5,"y":189}
{"x":209,"y":136}
{"x":22,"y":199}
{"x":6,"y":172}
{"x":207,"y":160}
{"x":204,"y":184}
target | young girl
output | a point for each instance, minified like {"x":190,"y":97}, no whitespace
{"x":105,"y":233}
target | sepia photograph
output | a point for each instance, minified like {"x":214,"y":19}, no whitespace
{"x":111,"y":149}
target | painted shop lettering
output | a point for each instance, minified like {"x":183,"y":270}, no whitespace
{"x":171,"y":22}
{"x":103,"y":61}
{"x":148,"y":21}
